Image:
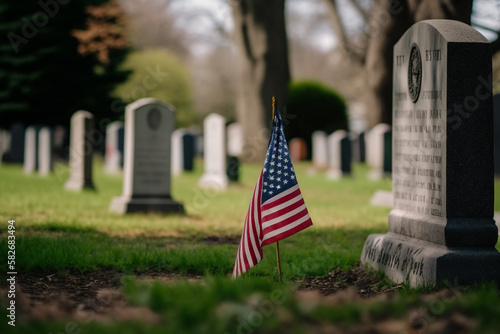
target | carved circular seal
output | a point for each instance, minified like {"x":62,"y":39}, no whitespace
{"x":154,"y":119}
{"x":414,"y":73}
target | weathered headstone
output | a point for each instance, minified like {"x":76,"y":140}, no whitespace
{"x":234,"y":140}
{"x":339,"y":155}
{"x":214,"y":158}
{"x":81,"y":151}
{"x":31,"y":149}
{"x":319,"y":150}
{"x":188,"y":151}
{"x":177,"y":152}
{"x":16,"y":152}
{"x":362,"y":146}
{"x":149,"y":124}
{"x":45,"y":147}
{"x":441,"y":227}
{"x":376,"y":150}
{"x":4,"y":143}
{"x":496,"y":129}
{"x":61,"y":142}
{"x":298,"y":149}
{"x":234,"y":150}
{"x":113,"y":160}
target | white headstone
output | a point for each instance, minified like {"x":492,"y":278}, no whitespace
{"x":30,"y":149}
{"x":215,"y":176}
{"x":4,"y":143}
{"x":80,"y":152}
{"x":113,"y":157}
{"x":339,"y":157}
{"x":319,"y":150}
{"x":45,"y":157}
{"x":375,"y":150}
{"x":177,"y":152}
{"x":234,"y":140}
{"x":149,"y":124}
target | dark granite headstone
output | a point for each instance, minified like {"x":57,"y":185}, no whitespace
{"x":362,"y":147}
{"x":188,"y":151}
{"x":233,"y":168}
{"x":496,"y":126}
{"x":149,"y":124}
{"x":121,"y":144}
{"x":345,"y":155}
{"x":16,"y":152}
{"x":388,"y":153}
{"x":441,"y":227}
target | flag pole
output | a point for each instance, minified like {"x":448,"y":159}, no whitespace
{"x":277,"y":242}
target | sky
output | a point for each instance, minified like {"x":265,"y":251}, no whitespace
{"x":207,"y":14}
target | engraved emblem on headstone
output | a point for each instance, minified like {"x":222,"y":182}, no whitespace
{"x":414,"y":73}
{"x":154,"y":119}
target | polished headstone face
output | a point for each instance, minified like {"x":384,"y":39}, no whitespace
{"x":442,"y":226}
{"x":147,"y":144}
{"x":149,"y":124}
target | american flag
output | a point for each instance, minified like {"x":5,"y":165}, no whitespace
{"x":277,"y":209}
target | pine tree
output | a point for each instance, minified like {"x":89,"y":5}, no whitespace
{"x":43,"y":77}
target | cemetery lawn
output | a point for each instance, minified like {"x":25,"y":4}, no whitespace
{"x":68,"y":243}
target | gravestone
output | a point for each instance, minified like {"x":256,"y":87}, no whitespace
{"x":31,"y":149}
{"x":188,"y":151}
{"x":45,"y":147}
{"x":149,"y":124}
{"x":113,"y":160}
{"x":16,"y":152}
{"x":319,"y":150}
{"x":234,"y":150}
{"x":376,"y":150}
{"x":177,"y":152}
{"x":387,"y":164}
{"x":214,"y":158}
{"x":60,"y":147}
{"x":298,"y":149}
{"x":441,"y":227}
{"x":81,"y":150}
{"x":339,"y":155}
{"x":362,"y":146}
{"x":496,"y":127}
{"x":4,"y":144}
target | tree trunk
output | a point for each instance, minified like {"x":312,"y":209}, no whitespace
{"x":389,"y":21}
{"x":263,"y":69}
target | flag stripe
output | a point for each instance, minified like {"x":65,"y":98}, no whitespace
{"x":288,"y":233}
{"x":276,"y":197}
{"x":286,"y":219}
{"x":277,"y":216}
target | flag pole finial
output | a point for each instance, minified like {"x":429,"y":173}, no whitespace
{"x":274,"y":105}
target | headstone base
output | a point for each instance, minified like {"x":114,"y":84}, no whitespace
{"x":77,"y":185}
{"x":418,"y":262}
{"x":215,"y":181}
{"x":132,"y":205}
{"x":336,"y":174}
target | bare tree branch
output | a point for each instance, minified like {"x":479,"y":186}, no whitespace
{"x":360,"y":10}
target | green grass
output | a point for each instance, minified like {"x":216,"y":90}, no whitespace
{"x":58,"y":230}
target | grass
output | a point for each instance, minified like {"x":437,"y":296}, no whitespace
{"x":59,"y":230}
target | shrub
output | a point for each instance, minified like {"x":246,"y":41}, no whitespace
{"x":312,"y":106}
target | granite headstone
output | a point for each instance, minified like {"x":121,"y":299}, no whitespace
{"x":214,"y":158}
{"x":31,"y":149}
{"x":441,"y":227}
{"x":113,"y":160}
{"x":149,"y":124}
{"x":339,"y":155}
{"x":376,"y":150}
{"x":81,"y":150}
{"x":45,"y":150}
{"x":16,"y":152}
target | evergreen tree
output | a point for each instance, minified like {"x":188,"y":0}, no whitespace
{"x":43,"y":77}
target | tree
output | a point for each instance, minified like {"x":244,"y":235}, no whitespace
{"x":43,"y":78}
{"x":263,"y":68}
{"x":159,"y":74}
{"x":385,"y":23}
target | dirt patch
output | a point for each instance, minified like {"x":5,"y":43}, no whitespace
{"x":221,"y":240}
{"x":365,"y":282}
